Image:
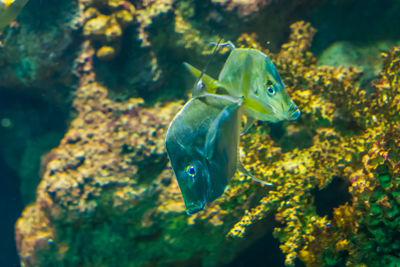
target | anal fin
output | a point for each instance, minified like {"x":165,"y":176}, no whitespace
{"x":243,"y":170}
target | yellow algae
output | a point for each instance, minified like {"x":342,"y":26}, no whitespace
{"x":96,"y":26}
{"x":360,"y":157}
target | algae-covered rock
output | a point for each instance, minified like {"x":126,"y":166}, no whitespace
{"x":36,"y":52}
{"x":108,"y":196}
{"x":108,"y":189}
{"x":151,"y":39}
{"x":347,"y":54}
{"x":355,"y":137}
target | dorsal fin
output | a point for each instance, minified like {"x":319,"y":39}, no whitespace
{"x":205,"y":82}
{"x":209,"y":84}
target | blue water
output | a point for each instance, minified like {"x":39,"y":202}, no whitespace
{"x":10,"y":208}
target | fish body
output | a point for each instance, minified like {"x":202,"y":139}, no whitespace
{"x":9,"y":10}
{"x":202,"y":144}
{"x":250,"y":74}
{"x":203,"y":138}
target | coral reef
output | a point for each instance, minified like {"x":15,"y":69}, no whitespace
{"x":150,"y":34}
{"x":107,"y":196}
{"x":244,"y":8}
{"x":36,"y":55}
{"x":105,"y":20}
{"x":142,"y":44}
{"x":107,"y":28}
{"x":366,"y":57}
{"x":36,"y":81}
{"x":355,"y":137}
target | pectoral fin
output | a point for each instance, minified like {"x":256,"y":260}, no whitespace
{"x":243,"y":170}
{"x":249,"y":122}
{"x":215,"y":131}
{"x":220,"y":125}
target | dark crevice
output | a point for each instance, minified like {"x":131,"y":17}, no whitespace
{"x":10,"y":208}
{"x":336,"y":193}
{"x":29,"y":128}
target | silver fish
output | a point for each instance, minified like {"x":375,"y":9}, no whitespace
{"x":250,"y":74}
{"x":202,"y":144}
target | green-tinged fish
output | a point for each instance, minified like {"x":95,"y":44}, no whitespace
{"x":251,"y":75}
{"x":202,"y":144}
{"x":9,"y":10}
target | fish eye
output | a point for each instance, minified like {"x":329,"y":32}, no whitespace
{"x":191,"y":170}
{"x":270,"y":88}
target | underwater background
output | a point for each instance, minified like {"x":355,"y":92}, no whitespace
{"x":89,"y":87}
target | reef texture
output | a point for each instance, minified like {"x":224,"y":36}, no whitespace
{"x":35,"y":54}
{"x":244,"y":8}
{"x":108,"y":197}
{"x":355,"y":136}
{"x":141,"y":44}
{"x":105,"y":20}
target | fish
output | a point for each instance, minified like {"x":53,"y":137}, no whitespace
{"x":202,"y":145}
{"x":9,"y":10}
{"x":250,"y":74}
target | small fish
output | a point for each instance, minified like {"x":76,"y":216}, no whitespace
{"x":251,"y":75}
{"x":202,"y":144}
{"x":9,"y":10}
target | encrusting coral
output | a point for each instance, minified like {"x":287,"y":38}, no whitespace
{"x":105,"y":21}
{"x":355,"y":137}
{"x":107,"y":28}
{"x":107,"y":197}
{"x":244,"y":8}
{"x":141,"y":44}
{"x":107,"y":188}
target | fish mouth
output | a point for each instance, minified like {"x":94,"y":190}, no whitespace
{"x":192,"y":209}
{"x":293,"y":113}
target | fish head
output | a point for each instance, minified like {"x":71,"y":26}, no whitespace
{"x":268,"y":99}
{"x":193,"y":179}
{"x":192,"y":174}
{"x":184,"y":143}
{"x":250,"y":74}
{"x":202,"y":142}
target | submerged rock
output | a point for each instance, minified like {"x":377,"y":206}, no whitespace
{"x":363,"y":56}
{"x":36,"y":53}
{"x":108,"y":196}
